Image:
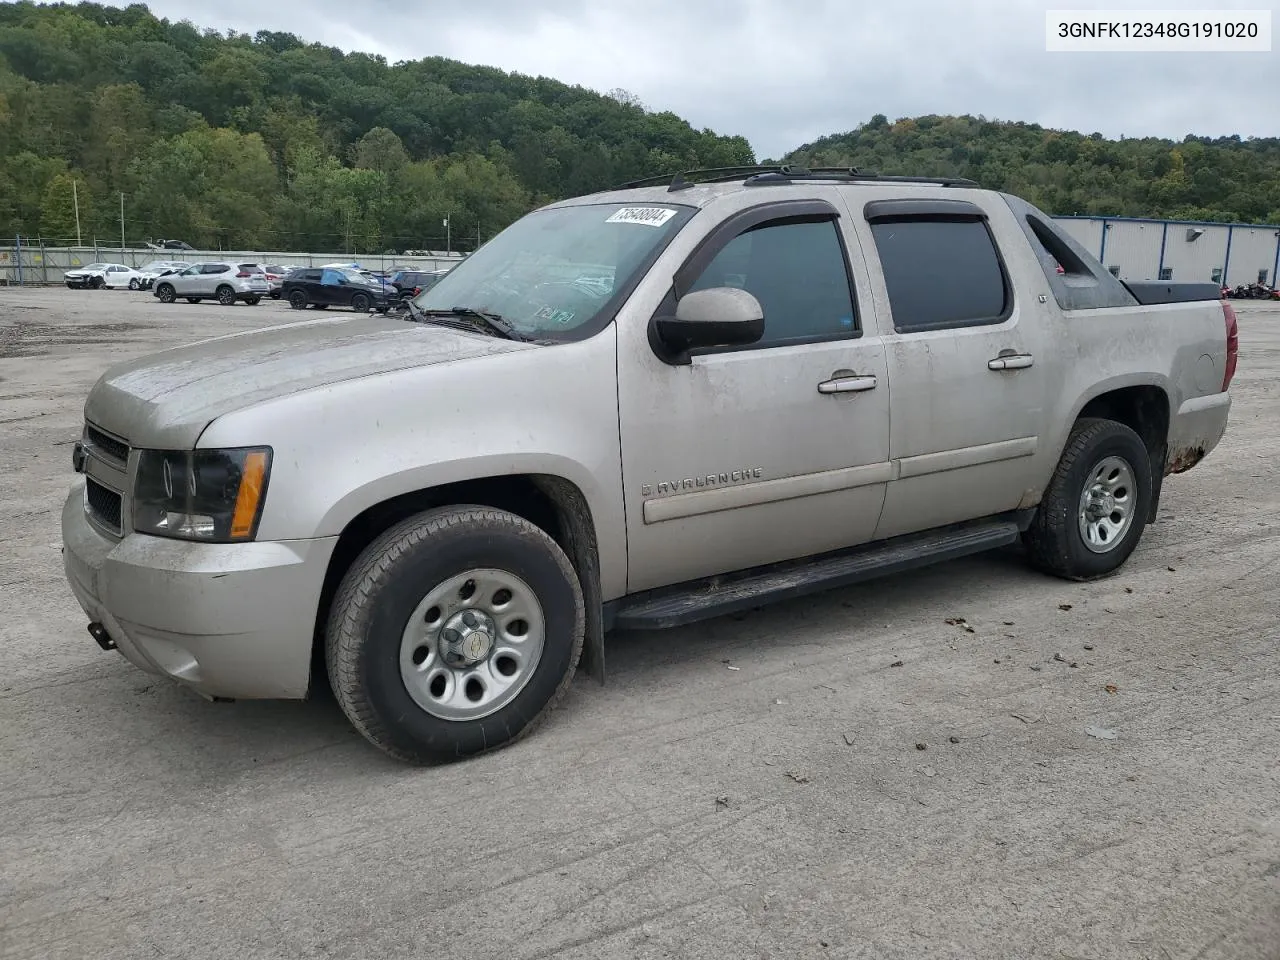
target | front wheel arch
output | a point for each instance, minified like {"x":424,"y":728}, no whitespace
{"x":554,"y":504}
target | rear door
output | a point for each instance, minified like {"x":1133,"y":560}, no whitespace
{"x":210,"y":275}
{"x":967,"y":363}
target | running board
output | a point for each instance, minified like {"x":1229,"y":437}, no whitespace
{"x":717,"y":596}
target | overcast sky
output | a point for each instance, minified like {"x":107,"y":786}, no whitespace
{"x":785,"y":72}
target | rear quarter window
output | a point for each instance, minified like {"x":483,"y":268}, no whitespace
{"x":941,"y":273}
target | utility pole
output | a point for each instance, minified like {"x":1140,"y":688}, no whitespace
{"x":448,"y":237}
{"x":75,"y":199}
{"x":122,"y":224}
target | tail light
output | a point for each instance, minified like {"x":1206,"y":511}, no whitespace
{"x":1233,"y":344}
{"x":242,"y":275}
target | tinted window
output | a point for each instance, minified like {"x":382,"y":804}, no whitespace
{"x":250,"y":268}
{"x":940,"y":273}
{"x":332,"y":277}
{"x":798,"y":273}
{"x":214,"y":268}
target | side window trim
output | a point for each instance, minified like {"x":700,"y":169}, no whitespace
{"x":735,"y":225}
{"x":940,"y":211}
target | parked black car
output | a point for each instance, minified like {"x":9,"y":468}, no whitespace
{"x":322,"y":287}
{"x":413,"y":282}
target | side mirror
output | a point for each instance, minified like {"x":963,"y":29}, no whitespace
{"x":718,"y":317}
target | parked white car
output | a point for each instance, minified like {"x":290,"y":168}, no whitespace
{"x":222,"y":281}
{"x":99,"y":275}
{"x":149,"y":272}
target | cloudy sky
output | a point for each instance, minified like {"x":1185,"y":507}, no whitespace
{"x":783,"y":73}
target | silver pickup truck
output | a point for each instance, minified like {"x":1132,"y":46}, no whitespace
{"x":633,"y":410}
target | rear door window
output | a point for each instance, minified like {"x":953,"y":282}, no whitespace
{"x":941,"y":273}
{"x":214,"y":268}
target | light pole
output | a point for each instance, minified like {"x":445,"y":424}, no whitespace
{"x":122,"y":224}
{"x":448,"y":237}
{"x":75,"y":199}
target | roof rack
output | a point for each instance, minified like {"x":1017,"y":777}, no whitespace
{"x":783,"y":173}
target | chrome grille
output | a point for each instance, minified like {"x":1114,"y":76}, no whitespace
{"x":106,"y":470}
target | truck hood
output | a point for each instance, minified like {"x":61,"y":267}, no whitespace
{"x":167,"y":399}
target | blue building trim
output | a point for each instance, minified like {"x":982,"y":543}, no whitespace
{"x":1102,"y":250}
{"x":1164,"y":235}
{"x":1226,"y":261}
{"x":1196,"y":223}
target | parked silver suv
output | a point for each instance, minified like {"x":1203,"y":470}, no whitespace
{"x":221,"y":281}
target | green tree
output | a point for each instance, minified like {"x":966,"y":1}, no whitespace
{"x":58,"y":218}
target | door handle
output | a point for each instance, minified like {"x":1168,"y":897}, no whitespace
{"x":1013,"y":361}
{"x":847,"y":385}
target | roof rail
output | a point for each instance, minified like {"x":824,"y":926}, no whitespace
{"x":783,"y":173}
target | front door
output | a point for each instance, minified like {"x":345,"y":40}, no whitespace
{"x":748,"y":456}
{"x":968,"y":362}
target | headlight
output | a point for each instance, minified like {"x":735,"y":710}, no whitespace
{"x":212,"y":495}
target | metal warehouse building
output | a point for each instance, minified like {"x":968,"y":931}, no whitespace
{"x":1135,"y":249}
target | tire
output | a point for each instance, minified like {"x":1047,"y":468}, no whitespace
{"x":360,"y":303}
{"x":274,"y":294}
{"x":297,"y":300}
{"x":252,"y":301}
{"x":165,"y":293}
{"x":133,"y":284}
{"x":321,"y":306}
{"x":226,"y":296}
{"x":378,"y":633}
{"x":1096,"y":458}
{"x":96,"y":283}
{"x":193,"y":299}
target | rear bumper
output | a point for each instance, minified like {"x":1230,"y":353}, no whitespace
{"x":227,"y":620}
{"x":1198,"y":426}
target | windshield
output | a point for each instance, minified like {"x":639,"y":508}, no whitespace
{"x":553,"y":274}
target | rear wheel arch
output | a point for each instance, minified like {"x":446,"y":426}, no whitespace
{"x":1144,"y":409}
{"x":555,"y":505}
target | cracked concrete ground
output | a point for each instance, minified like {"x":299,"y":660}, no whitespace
{"x":783,"y":809}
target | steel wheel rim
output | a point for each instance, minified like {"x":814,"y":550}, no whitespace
{"x":472,"y":644}
{"x":1107,"y":504}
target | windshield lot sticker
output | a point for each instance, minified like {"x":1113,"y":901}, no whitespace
{"x":551,"y":315}
{"x":649,"y":216}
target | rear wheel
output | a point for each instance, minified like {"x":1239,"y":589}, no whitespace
{"x":455,"y":632}
{"x":226,"y":295}
{"x":1094,"y":511}
{"x":252,"y":301}
{"x":360,"y":303}
{"x":297,"y":299}
{"x":133,"y":284}
{"x":165,"y":293}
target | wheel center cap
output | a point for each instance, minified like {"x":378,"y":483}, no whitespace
{"x":467,"y":638}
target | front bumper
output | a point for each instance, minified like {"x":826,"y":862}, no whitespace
{"x":227,"y":620}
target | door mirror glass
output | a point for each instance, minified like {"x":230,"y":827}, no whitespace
{"x":715,"y":317}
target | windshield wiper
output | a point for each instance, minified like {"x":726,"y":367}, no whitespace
{"x":490,"y":322}
{"x":494,"y":323}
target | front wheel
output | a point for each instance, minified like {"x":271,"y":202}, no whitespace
{"x":360,"y":303}
{"x":1094,"y":511}
{"x":97,"y":283}
{"x":455,"y":632}
{"x":165,"y":294}
{"x":226,"y":296}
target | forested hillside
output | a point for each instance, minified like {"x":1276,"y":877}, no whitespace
{"x":268,"y":142}
{"x":1064,"y":173}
